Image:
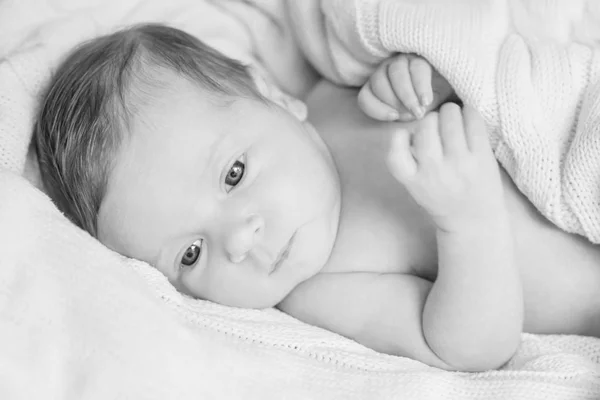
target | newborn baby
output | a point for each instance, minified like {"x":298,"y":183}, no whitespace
{"x":406,"y":237}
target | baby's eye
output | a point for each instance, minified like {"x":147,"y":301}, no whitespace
{"x":235,"y":173}
{"x":192,"y":254}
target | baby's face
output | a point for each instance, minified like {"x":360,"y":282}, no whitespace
{"x":235,"y":203}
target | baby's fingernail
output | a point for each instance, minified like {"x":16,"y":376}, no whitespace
{"x":426,"y":100}
{"x":392,"y":116}
{"x":418,"y":112}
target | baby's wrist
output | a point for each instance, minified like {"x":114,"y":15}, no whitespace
{"x":473,"y":222}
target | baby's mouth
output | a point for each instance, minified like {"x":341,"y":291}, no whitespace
{"x":283,"y":255}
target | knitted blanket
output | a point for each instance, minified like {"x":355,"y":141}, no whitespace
{"x":78,"y":321}
{"x":531,"y":67}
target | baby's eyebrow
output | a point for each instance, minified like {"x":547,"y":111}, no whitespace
{"x":215,"y":149}
{"x":222,"y":141}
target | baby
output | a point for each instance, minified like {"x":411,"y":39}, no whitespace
{"x":404,"y":236}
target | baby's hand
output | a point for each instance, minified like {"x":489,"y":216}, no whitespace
{"x":403,"y":88}
{"x":448,"y":167}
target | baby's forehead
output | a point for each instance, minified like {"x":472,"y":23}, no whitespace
{"x":180,"y":115}
{"x":174,"y":108}
{"x":159,"y":88}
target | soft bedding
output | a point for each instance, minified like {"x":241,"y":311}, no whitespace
{"x":78,"y":321}
{"x":530,"y":67}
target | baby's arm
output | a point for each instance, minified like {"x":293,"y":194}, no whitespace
{"x":450,"y":170}
{"x":403,"y":87}
{"x":470,"y":318}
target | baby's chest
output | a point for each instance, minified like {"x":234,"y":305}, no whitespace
{"x":383,"y":231}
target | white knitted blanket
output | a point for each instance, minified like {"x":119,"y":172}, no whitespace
{"x":78,"y":321}
{"x":531,"y":67}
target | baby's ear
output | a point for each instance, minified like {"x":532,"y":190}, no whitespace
{"x":271,"y":91}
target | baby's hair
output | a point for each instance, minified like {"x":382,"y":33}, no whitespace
{"x":88,"y":106}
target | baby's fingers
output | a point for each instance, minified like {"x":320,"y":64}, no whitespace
{"x":399,"y":75}
{"x":373,"y":106}
{"x":421,"y":75}
{"x":476,"y":131}
{"x":401,"y":161}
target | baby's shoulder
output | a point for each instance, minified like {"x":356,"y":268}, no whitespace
{"x":334,"y":289}
{"x":353,"y":304}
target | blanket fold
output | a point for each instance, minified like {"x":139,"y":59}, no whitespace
{"x":536,"y":87}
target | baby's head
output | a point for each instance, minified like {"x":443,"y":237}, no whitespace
{"x":166,"y":151}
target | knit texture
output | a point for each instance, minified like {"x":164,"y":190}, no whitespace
{"x":530,"y":67}
{"x":78,"y":321}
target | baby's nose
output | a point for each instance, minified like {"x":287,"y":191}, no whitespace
{"x":244,"y":236}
